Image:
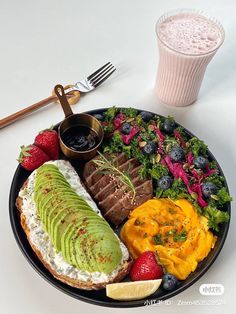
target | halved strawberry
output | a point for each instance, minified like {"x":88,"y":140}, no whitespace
{"x":31,"y":157}
{"x":47,"y":140}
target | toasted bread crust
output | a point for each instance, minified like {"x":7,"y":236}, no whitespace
{"x":86,"y":285}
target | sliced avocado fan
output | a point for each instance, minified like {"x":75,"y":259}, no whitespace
{"x":85,"y":239}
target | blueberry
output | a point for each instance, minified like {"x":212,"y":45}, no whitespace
{"x":169,"y":282}
{"x":126,"y":128}
{"x":146,"y":116}
{"x":81,"y":139}
{"x":165,"y":182}
{"x":99,"y":116}
{"x":208,"y":188}
{"x":200,"y":162}
{"x":150,"y":148}
{"x":177,"y":153}
{"x":169,"y":125}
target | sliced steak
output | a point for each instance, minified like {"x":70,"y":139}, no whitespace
{"x":98,"y":180}
{"x":108,"y":184}
{"x":129,"y":165}
{"x":114,"y":197}
{"x":90,"y":167}
{"x":120,"y":211}
{"x":119,"y":194}
{"x":96,"y":174}
{"x":118,"y":216}
{"x":135,"y":172}
{"x":105,"y":183}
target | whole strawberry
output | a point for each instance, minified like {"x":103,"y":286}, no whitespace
{"x":47,"y":140}
{"x":145,"y":267}
{"x":31,"y":157}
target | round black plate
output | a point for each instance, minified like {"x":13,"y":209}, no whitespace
{"x":99,"y":297}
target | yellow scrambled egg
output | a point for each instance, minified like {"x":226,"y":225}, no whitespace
{"x":173,"y":230}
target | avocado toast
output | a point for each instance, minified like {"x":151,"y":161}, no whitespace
{"x":66,"y":230}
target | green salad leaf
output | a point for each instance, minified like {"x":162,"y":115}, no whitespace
{"x":129,"y":112}
{"x":216,"y":179}
{"x":158,"y":171}
{"x":110,"y":113}
{"x":116,"y":145}
{"x":182,"y":132}
{"x":215,"y":217}
{"x":197,"y":147}
{"x":223,"y":196}
{"x":177,"y":190}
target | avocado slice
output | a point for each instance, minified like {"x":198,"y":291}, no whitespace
{"x":46,"y":202}
{"x":49,"y":177}
{"x":64,"y":243}
{"x":96,"y":247}
{"x":101,"y":252}
{"x":62,"y":220}
{"x":70,"y":204}
{"x":47,"y":188}
{"x":75,"y":232}
{"x":41,"y":187}
{"x":59,"y":220}
{"x":72,"y":201}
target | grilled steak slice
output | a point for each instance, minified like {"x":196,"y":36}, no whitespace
{"x":118,"y":212}
{"x":135,"y":172}
{"x":107,"y":184}
{"x":117,"y":217}
{"x":102,"y":184}
{"x":117,"y":195}
{"x":90,"y":167}
{"x":111,"y":184}
{"x":129,"y":165}
{"x":95,"y":174}
{"x":114,"y":198}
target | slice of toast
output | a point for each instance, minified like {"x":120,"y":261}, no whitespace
{"x":88,"y":282}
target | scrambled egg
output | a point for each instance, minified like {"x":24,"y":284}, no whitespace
{"x":173,"y":230}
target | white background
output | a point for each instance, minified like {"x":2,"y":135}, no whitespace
{"x":47,"y":42}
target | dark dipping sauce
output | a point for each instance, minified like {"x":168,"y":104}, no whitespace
{"x":80,"y":138}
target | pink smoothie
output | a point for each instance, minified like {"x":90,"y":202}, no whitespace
{"x":187,"y":42}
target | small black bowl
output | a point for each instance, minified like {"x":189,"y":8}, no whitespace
{"x":99,"y":297}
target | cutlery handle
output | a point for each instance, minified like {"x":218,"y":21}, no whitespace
{"x":59,"y":91}
{"x":22,"y":113}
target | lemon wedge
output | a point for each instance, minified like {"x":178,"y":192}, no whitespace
{"x":135,"y":290}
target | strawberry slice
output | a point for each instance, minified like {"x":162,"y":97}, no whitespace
{"x":31,"y":157}
{"x":47,"y":140}
{"x":145,"y":267}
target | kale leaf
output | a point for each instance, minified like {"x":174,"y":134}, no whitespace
{"x":177,"y":190}
{"x":158,"y":171}
{"x":129,"y":112}
{"x":116,"y":145}
{"x":223,"y":196}
{"x":110,"y":113}
{"x":215,"y":217}
{"x":216,"y":179}
{"x":197,"y":147}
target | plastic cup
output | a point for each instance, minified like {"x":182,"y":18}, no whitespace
{"x":180,"y":73}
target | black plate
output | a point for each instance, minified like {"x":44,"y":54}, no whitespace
{"x":99,"y":297}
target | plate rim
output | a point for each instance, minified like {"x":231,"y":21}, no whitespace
{"x":121,"y":304}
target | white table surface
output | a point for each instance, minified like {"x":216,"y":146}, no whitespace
{"x":48,"y":42}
